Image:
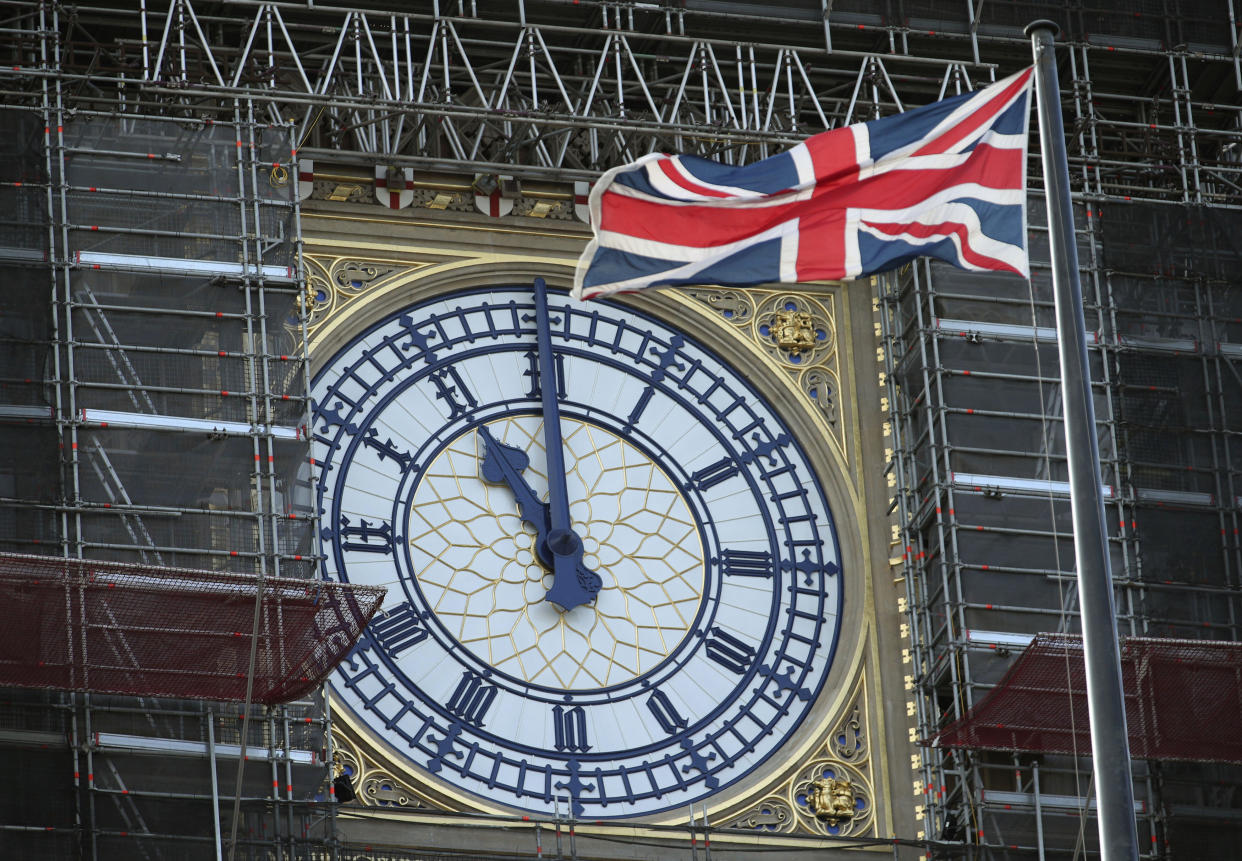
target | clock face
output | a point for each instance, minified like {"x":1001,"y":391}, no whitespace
{"x":706,"y":555}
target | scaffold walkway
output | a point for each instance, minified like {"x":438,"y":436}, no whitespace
{"x":145,"y":630}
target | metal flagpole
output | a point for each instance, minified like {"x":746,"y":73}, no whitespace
{"x":1110,"y":744}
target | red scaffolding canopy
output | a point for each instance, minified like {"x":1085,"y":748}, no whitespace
{"x":111,"y":627}
{"x":1183,"y":701}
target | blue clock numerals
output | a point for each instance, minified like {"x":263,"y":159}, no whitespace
{"x":397,"y":629}
{"x":665,"y":713}
{"x":386,"y":450}
{"x":570,"y":728}
{"x":713,"y":474}
{"x":729,"y":652}
{"x":673,"y":477}
{"x":534,"y":392}
{"x":471,"y":699}
{"x":745,"y":563}
{"x":453,"y":392}
{"x":364,"y":537}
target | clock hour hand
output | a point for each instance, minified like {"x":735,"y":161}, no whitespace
{"x":570,"y":587}
{"x":503,"y":464}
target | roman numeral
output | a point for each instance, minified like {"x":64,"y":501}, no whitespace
{"x":472,"y":699}
{"x":535,"y":392}
{"x":451,"y":389}
{"x":570,"y":727}
{"x":665,"y":360}
{"x":665,"y":712}
{"x":637,"y":412}
{"x":730,"y":652}
{"x":398,"y":629}
{"x":373,"y":538}
{"x":745,"y":563}
{"x":710,"y":476}
{"x":386,"y":449}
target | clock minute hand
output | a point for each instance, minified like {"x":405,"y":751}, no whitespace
{"x":572,"y":583}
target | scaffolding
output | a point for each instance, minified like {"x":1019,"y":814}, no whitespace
{"x":154,"y":405}
{"x":154,"y":389}
{"x":981,"y":471}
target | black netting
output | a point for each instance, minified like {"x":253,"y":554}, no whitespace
{"x":187,"y":157}
{"x":25,"y":335}
{"x":203,"y":296}
{"x":180,"y":190}
{"x":1156,"y":307}
{"x":23,"y":208}
{"x":160,"y":468}
{"x":1181,"y":546}
{"x":42,"y":845}
{"x":153,"y":368}
{"x":1173,"y":241}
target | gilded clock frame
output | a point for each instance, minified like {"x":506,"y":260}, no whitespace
{"x":800,"y":340}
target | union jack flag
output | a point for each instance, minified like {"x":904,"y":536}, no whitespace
{"x":947,"y":180}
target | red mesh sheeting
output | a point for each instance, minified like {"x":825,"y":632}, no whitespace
{"x":110,"y":627}
{"x":1183,"y":701}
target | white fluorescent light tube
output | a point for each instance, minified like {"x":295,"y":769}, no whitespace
{"x":178,"y":265}
{"x":10,"y":411}
{"x":999,"y":638}
{"x":139,"y":743}
{"x":973,"y":481}
{"x":115,"y":418}
{"x":1005,"y":331}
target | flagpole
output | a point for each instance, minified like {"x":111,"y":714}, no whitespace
{"x":1110,"y":744}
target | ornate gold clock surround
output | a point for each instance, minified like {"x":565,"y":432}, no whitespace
{"x":795,"y":337}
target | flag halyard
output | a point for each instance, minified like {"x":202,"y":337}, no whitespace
{"x":947,"y":180}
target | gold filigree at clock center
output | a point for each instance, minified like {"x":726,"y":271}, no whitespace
{"x":475,"y":564}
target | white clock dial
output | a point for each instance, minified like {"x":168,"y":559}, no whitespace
{"x":478,"y":571}
{"x":708,"y":591}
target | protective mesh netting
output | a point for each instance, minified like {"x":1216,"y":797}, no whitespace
{"x":75,"y":624}
{"x":1183,"y":701}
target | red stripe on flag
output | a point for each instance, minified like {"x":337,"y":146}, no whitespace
{"x":947,"y":228}
{"x":987,"y":166}
{"x":984,"y":115}
{"x":821,"y":225}
{"x":834,"y":156}
{"x":702,"y":225}
{"x":682,"y":181}
{"x":690,"y":224}
{"x":821,"y":244}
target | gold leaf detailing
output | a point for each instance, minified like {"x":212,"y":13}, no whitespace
{"x":833,"y":798}
{"x":772,"y":814}
{"x":820,"y":386}
{"x":383,"y":790}
{"x":333,"y":282}
{"x":355,"y":275}
{"x":733,"y":305}
{"x":796,"y":329}
{"x":849,"y":742}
